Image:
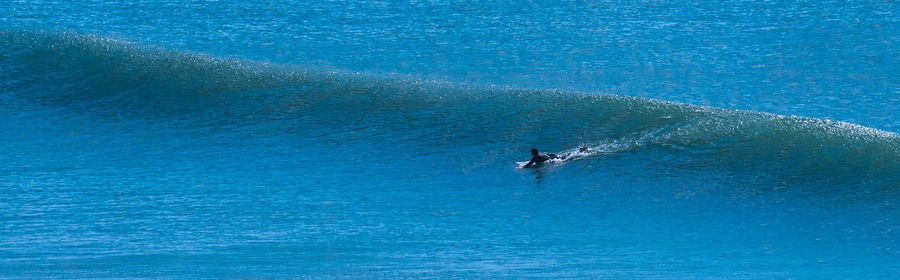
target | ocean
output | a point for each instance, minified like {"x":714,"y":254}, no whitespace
{"x":379,"y":139}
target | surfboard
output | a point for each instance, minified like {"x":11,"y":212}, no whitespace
{"x":567,"y":156}
{"x":521,"y":164}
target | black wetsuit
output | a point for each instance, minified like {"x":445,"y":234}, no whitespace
{"x":541,"y":158}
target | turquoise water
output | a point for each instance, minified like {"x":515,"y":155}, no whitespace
{"x":243,"y":139}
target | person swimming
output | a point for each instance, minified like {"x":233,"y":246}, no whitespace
{"x":538,"y":157}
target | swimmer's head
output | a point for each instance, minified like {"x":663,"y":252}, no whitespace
{"x":534,"y":152}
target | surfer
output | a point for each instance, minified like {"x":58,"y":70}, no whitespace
{"x":538,"y":157}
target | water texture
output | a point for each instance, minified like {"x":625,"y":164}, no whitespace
{"x":243,"y":139}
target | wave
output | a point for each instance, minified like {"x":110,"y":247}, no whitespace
{"x":110,"y":78}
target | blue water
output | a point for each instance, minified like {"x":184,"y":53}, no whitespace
{"x":378,"y":139}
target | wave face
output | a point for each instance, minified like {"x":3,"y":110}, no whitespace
{"x":125,"y":153}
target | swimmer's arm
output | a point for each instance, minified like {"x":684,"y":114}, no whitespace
{"x":529,"y":164}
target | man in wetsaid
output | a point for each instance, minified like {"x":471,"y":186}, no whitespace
{"x":538,"y":157}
